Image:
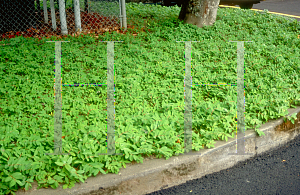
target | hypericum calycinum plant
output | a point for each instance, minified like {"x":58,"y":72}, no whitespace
{"x":149,"y":92}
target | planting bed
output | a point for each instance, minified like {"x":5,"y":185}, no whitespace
{"x":149,"y":91}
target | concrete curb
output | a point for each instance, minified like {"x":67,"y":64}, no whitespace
{"x":155,"y":174}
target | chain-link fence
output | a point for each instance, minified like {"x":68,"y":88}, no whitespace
{"x":42,"y":18}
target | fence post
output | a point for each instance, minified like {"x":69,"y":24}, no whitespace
{"x":45,"y":10}
{"x":77,"y":16}
{"x":62,"y":15}
{"x":52,"y":14}
{"x":124,"y":19}
{"x":121,"y":16}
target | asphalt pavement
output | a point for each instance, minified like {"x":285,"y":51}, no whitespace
{"x":276,"y":172}
{"x":289,"y":8}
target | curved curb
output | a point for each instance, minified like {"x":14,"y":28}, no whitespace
{"x":156,"y":174}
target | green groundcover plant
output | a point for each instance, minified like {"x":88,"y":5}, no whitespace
{"x":149,"y":92}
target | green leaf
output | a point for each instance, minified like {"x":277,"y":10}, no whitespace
{"x":102,"y":171}
{"x":69,"y":160}
{"x":78,"y":161}
{"x":65,"y":186}
{"x":20,"y":183}
{"x":62,"y":174}
{"x":95,"y":172}
{"x":59,"y":163}
{"x":82,"y":180}
{"x":55,"y":185}
{"x":58,"y":178}
{"x":72,"y":184}
{"x":124,"y":164}
{"x":17,"y":175}
{"x":12,"y":183}
{"x":80,"y":171}
{"x":293,"y":121}
{"x":68,"y":167}
{"x":27,"y":185}
{"x":9,"y":178}
{"x":51,"y":181}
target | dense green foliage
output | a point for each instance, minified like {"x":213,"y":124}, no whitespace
{"x":149,"y":92}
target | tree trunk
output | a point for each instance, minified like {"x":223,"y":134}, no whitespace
{"x":199,"y":12}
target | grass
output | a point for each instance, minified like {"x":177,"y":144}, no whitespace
{"x":149,"y":94}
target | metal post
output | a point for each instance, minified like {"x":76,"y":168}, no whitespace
{"x":46,"y":10}
{"x":121,"y":16}
{"x":77,"y":16}
{"x":124,"y":19}
{"x":62,"y":16}
{"x":53,"y":19}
